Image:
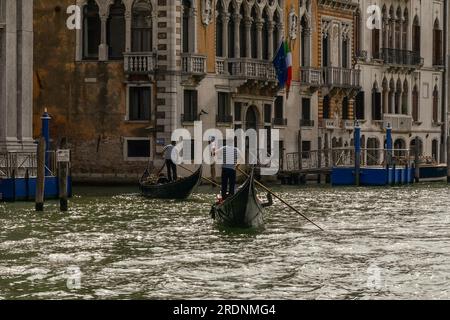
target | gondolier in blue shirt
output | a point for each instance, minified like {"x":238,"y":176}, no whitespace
{"x":170,"y":164}
{"x":231,"y":157}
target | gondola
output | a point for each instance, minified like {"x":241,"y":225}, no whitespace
{"x":243,"y":210}
{"x":178,"y":190}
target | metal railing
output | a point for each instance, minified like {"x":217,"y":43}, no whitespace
{"x":189,"y":117}
{"x":194,"y":64}
{"x":18,"y":164}
{"x":401,"y":57}
{"x":139,"y":62}
{"x":307,"y":123}
{"x":222,"y":118}
{"x":345,"y":157}
{"x":279,"y":122}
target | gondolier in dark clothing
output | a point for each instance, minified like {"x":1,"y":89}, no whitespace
{"x":170,"y":164}
{"x":230,"y":158}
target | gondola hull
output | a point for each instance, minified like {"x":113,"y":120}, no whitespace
{"x":178,"y":190}
{"x":243,"y":210}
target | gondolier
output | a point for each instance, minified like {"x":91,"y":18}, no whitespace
{"x":231,"y":157}
{"x":170,"y":164}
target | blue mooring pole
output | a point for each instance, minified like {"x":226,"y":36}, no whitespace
{"x":357,"y":139}
{"x":388,"y":151}
{"x":46,"y":135}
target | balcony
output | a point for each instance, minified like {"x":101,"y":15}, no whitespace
{"x":311,"y":77}
{"x":193,"y":64}
{"x":279,"y":122}
{"x":399,"y":123}
{"x":260,"y":70}
{"x":401,"y":58}
{"x":307,"y":123}
{"x":342,"y":77}
{"x":140,"y":63}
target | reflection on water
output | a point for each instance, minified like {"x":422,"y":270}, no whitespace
{"x":379,"y":243}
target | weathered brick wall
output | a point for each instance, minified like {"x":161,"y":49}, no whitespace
{"x":87,"y":100}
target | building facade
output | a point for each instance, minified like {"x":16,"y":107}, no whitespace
{"x":136,"y":70}
{"x":402,"y":62}
{"x":16,"y":69}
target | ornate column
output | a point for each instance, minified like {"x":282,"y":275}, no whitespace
{"x":248,"y":48}
{"x":103,"y":48}
{"x":307,"y":48}
{"x":225,"y":21}
{"x":237,"y":39}
{"x":128,"y":31}
{"x":270,"y":26}
{"x":259,"y":26}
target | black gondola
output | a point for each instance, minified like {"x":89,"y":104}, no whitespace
{"x":178,"y":190}
{"x":243,"y":210}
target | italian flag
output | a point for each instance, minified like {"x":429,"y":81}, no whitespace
{"x":288,"y":54}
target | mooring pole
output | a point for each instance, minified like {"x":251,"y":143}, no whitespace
{"x":63,"y":171}
{"x":448,"y":159}
{"x":40,"y":181}
{"x":416,"y":161}
{"x":388,"y":151}
{"x":357,"y":139}
{"x":46,"y":135}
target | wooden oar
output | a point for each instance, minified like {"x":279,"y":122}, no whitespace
{"x":206,"y":179}
{"x":283,"y":201}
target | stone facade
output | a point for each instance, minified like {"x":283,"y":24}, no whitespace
{"x":16,"y":69}
{"x":211,"y":61}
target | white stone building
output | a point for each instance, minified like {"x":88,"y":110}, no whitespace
{"x":16,"y":75}
{"x":403,"y":74}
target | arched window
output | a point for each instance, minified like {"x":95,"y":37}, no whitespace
{"x":391,"y":102}
{"x":231,"y":25}
{"x":376,"y":103}
{"x":325,"y":51}
{"x":116,"y":30}
{"x":265,"y":36}
{"x":304,"y":45}
{"x":219,"y":30}
{"x":187,"y":33}
{"x":91,"y":30}
{"x":345,"y":109}
{"x":415,"y":104}
{"x":357,"y":35}
{"x":398,"y":28}
{"x":141,"y":30}
{"x":391,"y":43}
{"x":400,"y":148}
{"x":412,"y":146}
{"x":437,"y":44}
{"x":405,"y":30}
{"x":405,"y":97}
{"x":254,"y":33}
{"x":436,"y":104}
{"x":398,"y":97}
{"x":385,"y":99}
{"x":376,"y":43}
{"x":435,"y":150}
{"x":242,"y":34}
{"x":345,"y":55}
{"x":326,"y":107}
{"x":276,"y":34}
{"x":416,"y":36}
{"x":385,"y":27}
{"x":359,"y":102}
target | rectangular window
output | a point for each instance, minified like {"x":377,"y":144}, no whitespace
{"x":306,"y":148}
{"x":359,"y":102}
{"x":137,"y":149}
{"x":223,"y":106}
{"x":139,"y":103}
{"x":141,"y":39}
{"x":306,"y":109}
{"x":190,"y":105}
{"x":267,"y":113}
{"x":279,"y":112}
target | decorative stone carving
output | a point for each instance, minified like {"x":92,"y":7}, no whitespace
{"x":206,"y":12}
{"x":293,"y":24}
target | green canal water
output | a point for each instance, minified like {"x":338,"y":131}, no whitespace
{"x":379,"y":243}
